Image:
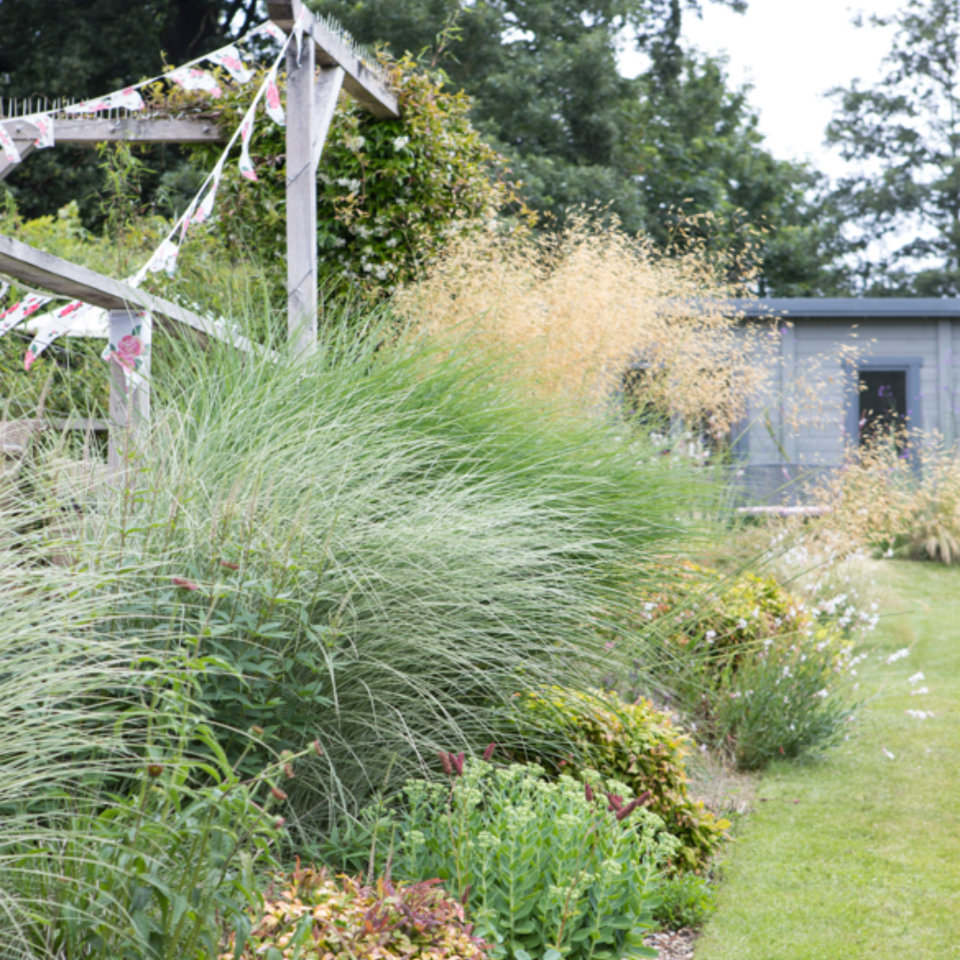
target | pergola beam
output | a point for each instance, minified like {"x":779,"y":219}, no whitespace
{"x":362,"y":83}
{"x":39,"y":269}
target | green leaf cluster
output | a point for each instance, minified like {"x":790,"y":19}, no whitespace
{"x":545,"y":872}
{"x":390,"y":193}
{"x":635,"y":744}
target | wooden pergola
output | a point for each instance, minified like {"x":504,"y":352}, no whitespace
{"x":316,"y":73}
{"x":314,"y":81}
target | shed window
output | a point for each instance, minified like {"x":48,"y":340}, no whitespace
{"x":883,"y":403}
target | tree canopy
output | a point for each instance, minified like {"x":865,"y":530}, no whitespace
{"x":905,"y":135}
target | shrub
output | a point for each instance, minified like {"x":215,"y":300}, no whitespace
{"x":311,"y":914}
{"x":379,"y":544}
{"x":546,"y":869}
{"x":686,"y":900}
{"x":635,"y":744}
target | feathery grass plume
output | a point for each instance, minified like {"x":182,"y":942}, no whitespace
{"x":417,"y":541}
{"x":583,"y":306}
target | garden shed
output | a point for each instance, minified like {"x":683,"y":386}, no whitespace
{"x":845,"y":366}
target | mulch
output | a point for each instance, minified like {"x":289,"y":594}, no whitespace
{"x":672,"y":944}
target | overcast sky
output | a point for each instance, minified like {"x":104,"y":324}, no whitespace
{"x":792,"y":51}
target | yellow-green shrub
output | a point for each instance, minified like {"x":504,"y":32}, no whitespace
{"x":637,"y":745}
{"x":312,"y":914}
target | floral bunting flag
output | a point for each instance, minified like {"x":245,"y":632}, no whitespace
{"x":44,"y":123}
{"x":272,"y":30}
{"x":129,"y":98}
{"x":246,"y":132}
{"x":164,"y":258}
{"x":10,"y":150}
{"x":271,"y":97}
{"x":192,"y":79}
{"x":60,"y":322}
{"x":229,"y":59}
{"x":298,"y":31}
{"x":19,"y":312}
{"x":205,"y":207}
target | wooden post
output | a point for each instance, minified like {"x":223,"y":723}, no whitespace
{"x":129,"y":392}
{"x":301,"y":196}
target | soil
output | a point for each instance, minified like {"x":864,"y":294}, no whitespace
{"x":673,"y":944}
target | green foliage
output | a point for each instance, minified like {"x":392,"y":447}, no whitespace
{"x":390,"y":192}
{"x":79,"y":50}
{"x":544,"y":871}
{"x":380,"y":543}
{"x":635,"y":744}
{"x":686,"y":900}
{"x":903,"y":132}
{"x":125,"y":833}
{"x":318,"y":916}
{"x":758,"y":672}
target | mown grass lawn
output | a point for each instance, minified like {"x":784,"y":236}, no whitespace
{"x":858,"y":856}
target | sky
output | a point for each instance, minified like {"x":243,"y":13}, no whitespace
{"x":792,"y":52}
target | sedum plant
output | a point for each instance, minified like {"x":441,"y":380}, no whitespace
{"x":546,"y":869}
{"x":635,"y":744}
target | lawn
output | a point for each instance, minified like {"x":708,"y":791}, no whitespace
{"x":858,"y":856}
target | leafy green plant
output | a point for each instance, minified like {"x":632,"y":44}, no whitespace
{"x":633,"y":743}
{"x":391,"y":192}
{"x":380,"y":542}
{"x":547,"y":869}
{"x":311,"y":914}
{"x":686,"y":900}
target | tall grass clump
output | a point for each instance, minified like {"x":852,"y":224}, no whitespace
{"x":595,"y":313}
{"x":378,"y":545}
{"x":119,"y":835}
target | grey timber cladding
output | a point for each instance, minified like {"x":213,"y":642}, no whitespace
{"x":920,"y":337}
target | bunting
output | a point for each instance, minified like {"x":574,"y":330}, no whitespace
{"x":205,"y":207}
{"x":271,"y":97}
{"x":59,"y":323}
{"x":44,"y":123}
{"x":193,"y":79}
{"x":10,"y":150}
{"x":129,"y":99}
{"x":19,"y":312}
{"x":229,"y":59}
{"x":246,"y":132}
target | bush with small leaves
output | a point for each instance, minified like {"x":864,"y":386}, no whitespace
{"x":310,"y":914}
{"x":631,"y":742}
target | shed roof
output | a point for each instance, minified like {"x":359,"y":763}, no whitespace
{"x":852,"y":308}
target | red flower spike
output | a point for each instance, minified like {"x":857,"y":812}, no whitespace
{"x":445,"y":762}
{"x":229,"y":565}
{"x":279,"y":822}
{"x":588,"y":792}
{"x":625,"y":812}
{"x":457,"y":762}
{"x":488,"y":753}
{"x":644,"y":797}
{"x":278,"y":794}
{"x":615,"y":802}
{"x":288,"y":770}
{"x":185,"y":584}
{"x":154,"y":769}
{"x":317,"y":749}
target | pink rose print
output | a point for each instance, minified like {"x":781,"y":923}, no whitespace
{"x":127,"y":352}
{"x":273,"y":96}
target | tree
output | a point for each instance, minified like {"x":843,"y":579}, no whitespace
{"x":544,"y":77}
{"x":82,"y":48}
{"x":905,"y":134}
{"x":693,"y":147}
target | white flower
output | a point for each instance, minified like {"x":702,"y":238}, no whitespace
{"x":742,"y":624}
{"x":822,"y":694}
{"x":400,"y":143}
{"x":916,"y":678}
{"x":919,"y":714}
{"x":392,"y":242}
{"x":711,"y":636}
{"x":919,"y":692}
{"x":899,"y":655}
{"x":888,"y":754}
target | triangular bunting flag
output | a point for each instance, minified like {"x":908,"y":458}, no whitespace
{"x":205,"y":207}
{"x":246,"y":132}
{"x":19,"y":312}
{"x":44,"y":123}
{"x":229,"y":59}
{"x":192,"y":79}
{"x":10,"y":150}
{"x":60,"y":322}
{"x":271,"y":99}
{"x":129,"y":98}
{"x":272,"y":30}
{"x":164,"y":258}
